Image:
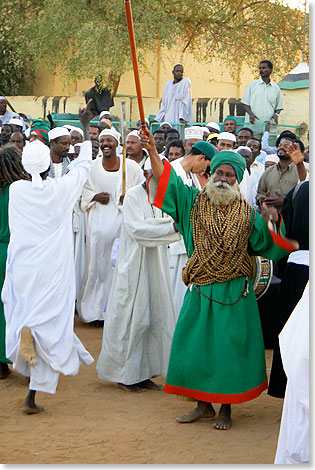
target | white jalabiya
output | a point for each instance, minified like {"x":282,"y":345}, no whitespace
{"x":293,"y":442}
{"x":249,"y":183}
{"x":39,"y":287}
{"x":176,"y":102}
{"x":140,"y":317}
{"x":178,"y":254}
{"x":79,"y":229}
{"x":103,"y":227}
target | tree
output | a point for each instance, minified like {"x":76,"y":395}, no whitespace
{"x":243,"y":31}
{"x":85,"y":38}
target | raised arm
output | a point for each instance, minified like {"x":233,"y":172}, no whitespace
{"x":148,"y":143}
{"x":85,"y":116}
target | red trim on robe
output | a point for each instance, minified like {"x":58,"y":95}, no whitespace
{"x":162,"y":185}
{"x":232,"y":399}
{"x":282,"y":241}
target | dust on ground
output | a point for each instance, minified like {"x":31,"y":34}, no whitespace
{"x":89,"y":421}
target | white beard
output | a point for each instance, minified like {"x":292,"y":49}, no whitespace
{"x":221,"y":193}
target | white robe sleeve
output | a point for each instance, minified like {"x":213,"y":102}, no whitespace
{"x":149,"y":232}
{"x":185,"y":103}
{"x":70,"y":185}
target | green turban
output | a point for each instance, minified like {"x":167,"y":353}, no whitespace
{"x":205,"y":148}
{"x":230,"y":118}
{"x":230,"y":158}
{"x":41,"y":128}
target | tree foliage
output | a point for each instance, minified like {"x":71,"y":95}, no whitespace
{"x":85,"y":38}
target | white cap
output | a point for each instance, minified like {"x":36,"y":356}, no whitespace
{"x":165,"y":122}
{"x":78,"y":129}
{"x":57,"y":132}
{"x":36,"y":159}
{"x":272,"y":158}
{"x":16,"y":122}
{"x":227,"y":136}
{"x":147,"y":163}
{"x":214,"y":125}
{"x":67,"y":126}
{"x":243,"y":147}
{"x":110,"y":132}
{"x":134,"y":134}
{"x":193,"y":132}
{"x":78,"y":144}
{"x":206,"y":130}
{"x":104,"y":113}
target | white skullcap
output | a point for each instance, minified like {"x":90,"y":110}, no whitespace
{"x":227,"y":136}
{"x":104,"y":113}
{"x":3,"y":98}
{"x":272,"y":158}
{"x":243,"y":147}
{"x":165,"y":122}
{"x":36,"y":159}
{"x":110,"y":132}
{"x":206,"y":130}
{"x":16,"y":122}
{"x":214,"y":125}
{"x":76,"y":129}
{"x":77,"y":145}
{"x":133,"y":133}
{"x":147,"y":163}
{"x":193,"y":132}
{"x":68,"y":126}
{"x":57,"y":132}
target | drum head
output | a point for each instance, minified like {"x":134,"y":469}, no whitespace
{"x":265,"y":276}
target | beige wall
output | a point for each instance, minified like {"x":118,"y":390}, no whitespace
{"x":213,"y":79}
{"x":213,"y":84}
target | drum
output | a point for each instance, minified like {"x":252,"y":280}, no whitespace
{"x":262,"y":276}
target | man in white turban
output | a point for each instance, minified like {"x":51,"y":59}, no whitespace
{"x":39,"y":288}
{"x":59,"y":138}
{"x":102,"y":201}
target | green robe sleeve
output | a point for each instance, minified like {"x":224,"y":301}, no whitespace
{"x":175,"y":198}
{"x":266,"y":243}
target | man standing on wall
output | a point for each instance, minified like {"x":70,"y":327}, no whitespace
{"x":176,"y":101}
{"x":262,"y":99}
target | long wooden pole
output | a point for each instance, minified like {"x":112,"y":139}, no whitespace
{"x":135,"y":61}
{"x":123,"y":133}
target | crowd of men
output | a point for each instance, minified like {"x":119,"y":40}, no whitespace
{"x":164,"y":267}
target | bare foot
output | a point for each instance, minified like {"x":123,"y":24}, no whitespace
{"x":27,"y":350}
{"x":224,"y":421}
{"x":150,"y":385}
{"x":136,"y":388}
{"x":203,"y":410}
{"x":32,"y":410}
{"x":4,"y":370}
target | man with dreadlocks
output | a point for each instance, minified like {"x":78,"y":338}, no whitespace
{"x":39,"y":288}
{"x":11,"y":170}
{"x":217,"y":353}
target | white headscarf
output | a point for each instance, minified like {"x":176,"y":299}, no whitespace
{"x":76,"y":129}
{"x":57,"y":132}
{"x":36,"y":159}
{"x":193,"y":132}
{"x":227,"y":136}
{"x":134,"y":134}
{"x":110,"y":132}
{"x":272,"y":158}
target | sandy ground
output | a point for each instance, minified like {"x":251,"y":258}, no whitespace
{"x":93,"y":422}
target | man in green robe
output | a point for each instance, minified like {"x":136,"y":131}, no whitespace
{"x":217,"y":353}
